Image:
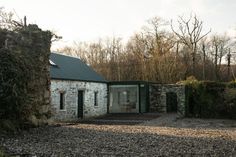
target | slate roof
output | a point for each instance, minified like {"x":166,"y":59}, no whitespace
{"x":71,"y":68}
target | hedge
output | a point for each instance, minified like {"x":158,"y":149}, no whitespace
{"x":208,"y":99}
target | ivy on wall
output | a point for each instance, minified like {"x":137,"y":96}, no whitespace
{"x":24,"y":74}
{"x":207,"y":99}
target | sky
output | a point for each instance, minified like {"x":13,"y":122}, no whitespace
{"x":89,"y":20}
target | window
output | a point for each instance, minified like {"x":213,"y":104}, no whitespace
{"x":123,"y":97}
{"x":95,"y":98}
{"x":52,"y":63}
{"x":118,"y":100}
{"x":62,"y":101}
{"x":127,"y":96}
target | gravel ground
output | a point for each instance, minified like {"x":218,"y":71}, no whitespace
{"x":163,"y":136}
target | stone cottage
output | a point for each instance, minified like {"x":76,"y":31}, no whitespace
{"x":77,"y":91}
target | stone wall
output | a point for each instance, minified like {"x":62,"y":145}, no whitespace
{"x":157,"y":96}
{"x":71,"y":99}
{"x":24,"y":75}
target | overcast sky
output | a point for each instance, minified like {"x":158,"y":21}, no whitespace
{"x":87,"y":20}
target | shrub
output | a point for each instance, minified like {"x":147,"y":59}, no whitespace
{"x":2,"y":153}
{"x":208,"y":99}
{"x":230,"y":101}
{"x":8,"y":126}
{"x":232,"y":84}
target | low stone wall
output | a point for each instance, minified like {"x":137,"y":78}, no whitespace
{"x":157,"y":97}
{"x":71,"y":99}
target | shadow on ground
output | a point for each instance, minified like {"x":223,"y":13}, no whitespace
{"x":121,"y":119}
{"x":159,"y":120}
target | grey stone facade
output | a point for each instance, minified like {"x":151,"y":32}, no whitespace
{"x":157,"y":96}
{"x":70,"y":88}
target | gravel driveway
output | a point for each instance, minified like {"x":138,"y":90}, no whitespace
{"x":163,"y":136}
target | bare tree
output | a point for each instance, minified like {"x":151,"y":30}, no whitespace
{"x":219,"y":46}
{"x":154,"y":54}
{"x":190,"y":33}
{"x":8,"y":20}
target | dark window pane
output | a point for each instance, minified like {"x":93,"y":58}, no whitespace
{"x":62,"y":105}
{"x":95,"y":98}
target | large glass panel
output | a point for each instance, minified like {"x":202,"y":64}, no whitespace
{"x":124,"y":99}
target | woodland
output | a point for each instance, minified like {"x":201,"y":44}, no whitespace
{"x":162,"y":51}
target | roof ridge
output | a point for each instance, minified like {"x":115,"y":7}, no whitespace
{"x":62,"y":54}
{"x":73,"y":68}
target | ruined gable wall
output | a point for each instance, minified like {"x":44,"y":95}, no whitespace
{"x":24,"y":75}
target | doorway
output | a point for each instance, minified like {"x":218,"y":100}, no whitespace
{"x":80,"y":103}
{"x":171,"y":102}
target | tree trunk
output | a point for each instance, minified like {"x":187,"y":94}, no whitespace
{"x":216,"y":59}
{"x":204,"y":62}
